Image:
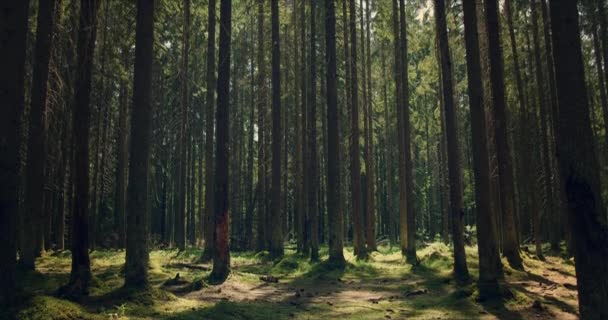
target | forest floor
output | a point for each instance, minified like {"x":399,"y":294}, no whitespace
{"x":383,"y":287}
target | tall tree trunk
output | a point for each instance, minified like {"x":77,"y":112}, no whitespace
{"x":355,"y":166}
{"x":249,"y":189}
{"x":522,"y":106}
{"x":261,"y":105}
{"x":578,"y":164}
{"x":311,"y":122}
{"x":276,"y":243}
{"x":503,"y":149}
{"x":490,"y":267}
{"x":454,"y":153}
{"x":138,"y":206}
{"x":544,"y":119}
{"x":80,"y":275}
{"x":561,"y":203}
{"x":600,"y":75}
{"x":410,"y":223}
{"x":335,"y":215}
{"x":221,"y":253}
{"x":299,"y":124}
{"x":182,"y":161}
{"x":120,"y":200}
{"x":532,"y":158}
{"x":399,"y":106}
{"x":13,"y":34}
{"x":209,"y":132}
{"x":370,"y":214}
{"x":36,"y":144}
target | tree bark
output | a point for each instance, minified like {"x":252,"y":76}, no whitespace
{"x":334,"y":210}
{"x":490,"y":267}
{"x":276,"y":243}
{"x":311,"y":122}
{"x":138,"y":205}
{"x":36,"y":144}
{"x":454,"y":154}
{"x":503,"y":149}
{"x":221,"y":253}
{"x":13,"y":36}
{"x":261,"y":105}
{"x":209,"y":133}
{"x":578,"y":164}
{"x":80,"y":275}
{"x":370,"y":210}
{"x":355,"y":166}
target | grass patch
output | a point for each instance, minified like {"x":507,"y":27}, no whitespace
{"x":383,"y":285}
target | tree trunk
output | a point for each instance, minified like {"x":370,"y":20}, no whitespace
{"x":311,"y":121}
{"x":503,"y":149}
{"x":36,"y":144}
{"x":544,"y":119}
{"x":138,"y":205}
{"x":276,"y":243}
{"x":182,"y":161}
{"x":490,"y":267}
{"x":522,"y":106}
{"x":120,"y":200}
{"x":221,"y":253}
{"x":261,"y":105}
{"x":370,"y":210}
{"x":454,"y":153}
{"x":334,"y":211}
{"x":578,"y":164}
{"x":209,"y":132}
{"x":409,"y":248}
{"x":355,"y":166}
{"x":80,"y":275}
{"x":13,"y":34}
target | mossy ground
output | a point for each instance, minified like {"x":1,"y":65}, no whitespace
{"x":383,"y":287}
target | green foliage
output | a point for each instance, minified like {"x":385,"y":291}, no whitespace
{"x":50,"y":308}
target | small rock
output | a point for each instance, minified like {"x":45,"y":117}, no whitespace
{"x":374,"y":300}
{"x":537,"y":305}
{"x":416,"y":292}
{"x":330,"y":303}
{"x":269,"y":279}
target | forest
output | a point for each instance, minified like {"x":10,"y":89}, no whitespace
{"x":303,"y":159}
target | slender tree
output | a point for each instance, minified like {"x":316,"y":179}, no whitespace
{"x":578,"y":163}
{"x":311,"y":172}
{"x":369,"y":140}
{"x":335,"y":215}
{"x":138,"y":203}
{"x":182,"y":162}
{"x":261,"y":105}
{"x":13,"y":36}
{"x":209,"y":133}
{"x":490,"y":267}
{"x":276,"y":243}
{"x":122,"y":148}
{"x":36,"y":144}
{"x":355,"y":165}
{"x":454,"y":153}
{"x":409,"y":244}
{"x":503,"y":148}
{"x":221,"y":253}
{"x":80,"y":274}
